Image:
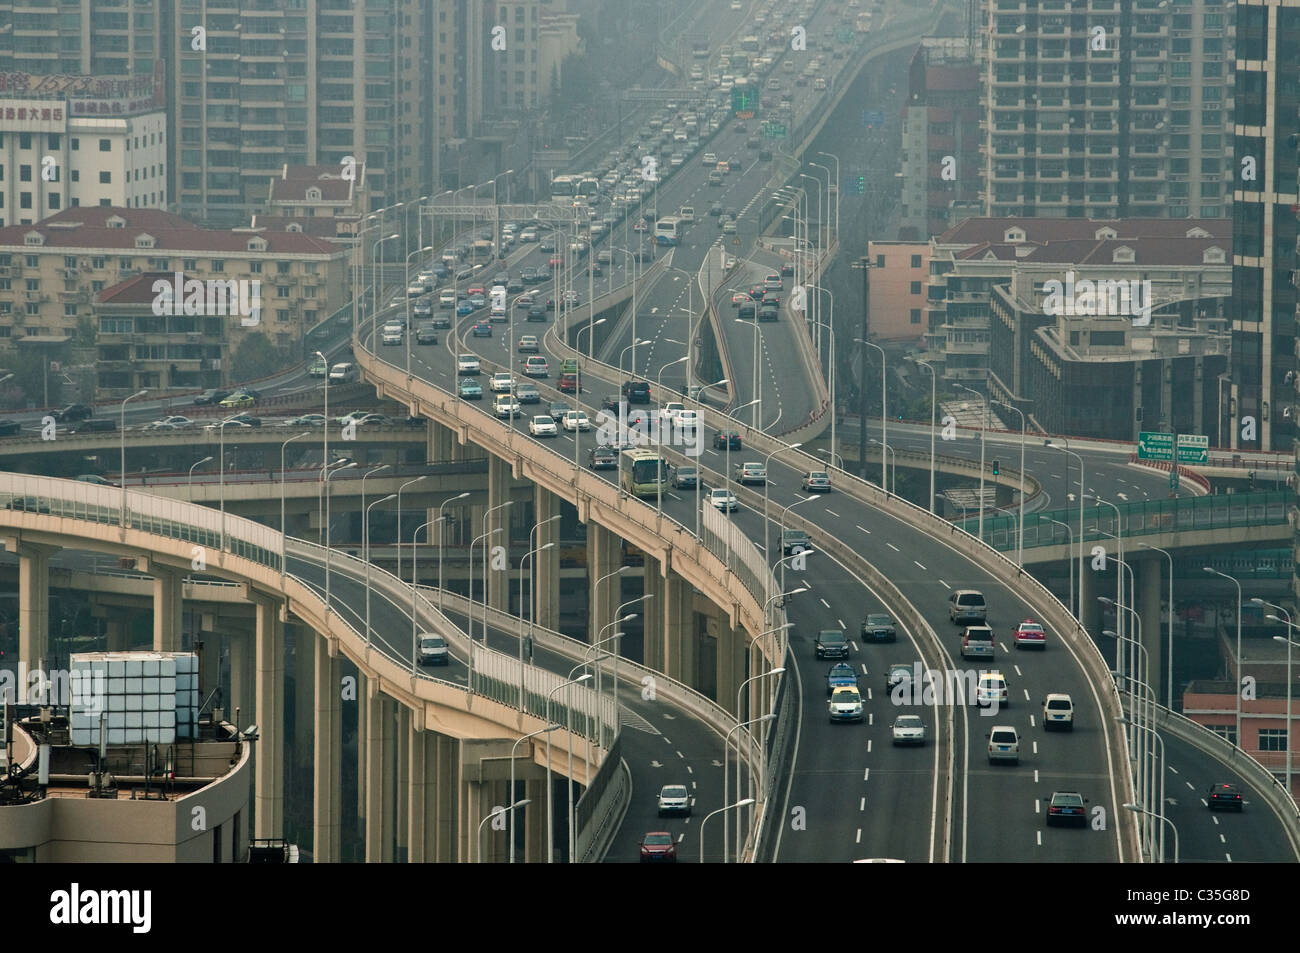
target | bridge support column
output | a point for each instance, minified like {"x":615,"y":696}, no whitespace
{"x":374,"y":767}
{"x":401,"y":757}
{"x":242,"y":679}
{"x":269,"y":766}
{"x":168,"y":608}
{"x":34,"y":603}
{"x":416,"y":743}
{"x":731,"y":663}
{"x":547,"y":577}
{"x":534,"y":823}
{"x":209,"y":662}
{"x":652,"y":612}
{"x":443,"y":758}
{"x":602,"y":559}
{"x":328,"y":744}
{"x":498,"y":580}
{"x":1148,"y":576}
{"x":116,"y":632}
{"x":440,"y":442}
{"x":304,"y":700}
{"x":363,"y":739}
{"x":1091,"y":585}
{"x":680,"y":645}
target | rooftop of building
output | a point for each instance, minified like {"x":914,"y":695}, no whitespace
{"x":292,"y":183}
{"x":973,"y":231}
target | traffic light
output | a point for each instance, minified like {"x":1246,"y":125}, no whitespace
{"x":995,"y":466}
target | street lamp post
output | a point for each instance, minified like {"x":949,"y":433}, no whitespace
{"x":365,"y":550}
{"x":1069,"y":563}
{"x":781,"y":523}
{"x":531,"y":613}
{"x":1137,"y":808}
{"x":630,"y":347}
{"x":745,"y":803}
{"x":984,"y":426}
{"x":374,"y":271}
{"x":494,"y":813}
{"x":889,"y":451}
{"x":756,"y":386}
{"x":1169,"y":660}
{"x":531,"y":734}
{"x":441,"y":546}
{"x":486,"y":515}
{"x":884,"y":413}
{"x":122,"y":428}
{"x":1143,"y":703}
{"x":767,"y":520}
{"x":933,"y":396}
{"x":1237,"y":692}
{"x":1068,"y":451}
{"x":399,"y":521}
{"x":305,"y":433}
{"x":328,"y":550}
{"x":577,"y":337}
{"x":1289,"y":677}
{"x":659,"y":423}
{"x":1020,"y":540}
{"x":829,"y":155}
{"x":550,"y":810}
{"x":739,"y":761}
{"x":200,"y":463}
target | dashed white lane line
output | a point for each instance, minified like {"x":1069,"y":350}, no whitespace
{"x":868,"y":746}
{"x":1189,"y":785}
{"x":862,"y":803}
{"x":832,"y":512}
{"x":1035,"y":752}
{"x":863,"y":528}
{"x":1039,"y":837}
{"x":1222,"y":839}
{"x":923,"y":569}
{"x":893,"y":547}
{"x":1026,"y":691}
{"x":858,"y":839}
{"x":864,"y":672}
{"x":944,"y":584}
{"x":1035,"y":769}
{"x":1031,"y":721}
{"x":1019,"y":674}
{"x":1037,"y":806}
{"x":852,"y":643}
{"x":689,"y":769}
{"x":871,"y":718}
{"x":1229,"y":857}
{"x":866,"y":773}
{"x":825,"y":603}
{"x":841,"y":622}
{"x":1173,"y":769}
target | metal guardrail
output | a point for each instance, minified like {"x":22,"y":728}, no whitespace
{"x":1140,"y":518}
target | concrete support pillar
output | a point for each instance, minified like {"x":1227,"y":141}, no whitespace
{"x":475,"y":802}
{"x":416,"y":744}
{"x":363,"y":739}
{"x":498,"y":589}
{"x":440,"y":442}
{"x":731,"y":664}
{"x":116,"y":632}
{"x":269,"y":766}
{"x":534,"y":823}
{"x":34,"y":603}
{"x":241,"y":678}
{"x":328,"y":745}
{"x":546,"y":583}
{"x":168,"y":606}
{"x":602,"y":559}
{"x":1091,"y":585}
{"x":304,"y":697}
{"x":1198,"y":395}
{"x":392,"y":780}
{"x":401,"y":824}
{"x":1148,"y":581}
{"x":680,"y":644}
{"x":652,"y":612}
{"x":443,"y":759}
{"x":374,"y":766}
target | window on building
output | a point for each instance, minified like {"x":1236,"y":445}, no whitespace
{"x":24,"y":173}
{"x":916,"y":261}
{"x":1272,"y":739}
{"x":25,"y":199}
{"x":24,"y":140}
{"x":105,"y":177}
{"x":105,"y":145}
{"x":55,"y":202}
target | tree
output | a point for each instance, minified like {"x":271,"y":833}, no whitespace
{"x":257,"y":357}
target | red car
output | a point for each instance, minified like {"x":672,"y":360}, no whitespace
{"x":474,"y":291}
{"x":556,"y":261}
{"x":658,"y":845}
{"x":568,"y":383}
{"x":1030,"y":634}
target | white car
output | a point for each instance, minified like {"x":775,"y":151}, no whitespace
{"x":1004,"y":744}
{"x":575,"y":420}
{"x":432,"y":649}
{"x":908,"y":730}
{"x":1058,"y":712}
{"x":687,"y":420}
{"x":542,"y":426}
{"x":674,"y":799}
{"x":502,"y":382}
{"x":710,"y":159}
{"x":467,"y":364}
{"x":392,"y":333}
{"x":845,"y":704}
{"x":671,"y":411}
{"x":723,"y":499}
{"x":447,"y":299}
{"x":528,"y":235}
{"x":536,"y":366}
{"x":991,"y":690}
{"x":505,"y":405}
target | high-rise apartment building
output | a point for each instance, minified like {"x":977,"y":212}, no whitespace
{"x":1107,"y":108}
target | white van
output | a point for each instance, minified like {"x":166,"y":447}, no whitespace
{"x":344,"y":373}
{"x":686,"y":213}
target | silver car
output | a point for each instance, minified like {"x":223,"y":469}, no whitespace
{"x":908,"y":730}
{"x":433,"y":649}
{"x":674,"y":799}
{"x":1004,"y":744}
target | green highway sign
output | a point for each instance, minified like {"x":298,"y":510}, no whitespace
{"x":1193,"y":448}
{"x":774,"y":130}
{"x":1155,"y":446}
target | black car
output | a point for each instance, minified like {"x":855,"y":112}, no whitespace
{"x":514,"y":285}
{"x":685,"y":478}
{"x":794,"y":541}
{"x":558,"y":409}
{"x":764,"y":155}
{"x":723,"y":437}
{"x":1224,"y":797}
{"x":214,"y":396}
{"x":441,"y":321}
{"x":831,"y":643}
{"x":611,"y":402}
{"x":247,"y":419}
{"x":536,"y":313}
{"x":878,"y":627}
{"x":602,"y":458}
{"x":9,"y":428}
{"x":787,"y":270}
{"x":426,"y":335}
{"x":96,"y":425}
{"x":636,"y":392}
{"x":715,"y":209}
{"x":73,"y":412}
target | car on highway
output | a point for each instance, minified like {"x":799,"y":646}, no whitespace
{"x":602,"y":457}
{"x":217,"y":394}
{"x":729,"y":227}
{"x":1004,"y":744}
{"x":543,"y":426}
{"x":243,"y":419}
{"x":710,"y":159}
{"x":426,"y":334}
{"x":740,"y":298}
{"x":977,"y":642}
{"x":391,"y":333}
{"x":432,"y":649}
{"x":966,"y":605}
{"x":447,"y":299}
{"x":845,"y":704}
{"x":674,"y":799}
{"x":527,"y":393}
{"x":1058,"y":712}
{"x":723,"y":499}
{"x":482,"y":330}
{"x":576,"y":421}
{"x":240,"y":399}
{"x":467,"y":364}
{"x":10,"y":428}
{"x":749,"y":472}
{"x":1224,"y":797}
{"x":898,"y":674}
{"x":558,"y":409}
{"x":468,"y":389}
{"x":528,"y":344}
{"x":223,"y":424}
{"x":722,"y":438}
{"x":878,"y":627}
{"x":96,"y":479}
{"x":505,"y":406}
{"x":768,"y":315}
{"x":174,"y":422}
{"x":536,"y":313}
{"x":816,"y":481}
{"x":831,"y":643}
{"x":28,"y":504}
{"x":715,"y":179}
{"x":787,"y":270}
{"x":464,"y":309}
{"x":1067,"y":807}
{"x":658,"y":847}
{"x":501,"y":382}
{"x":537,"y":366}
{"x":1030,"y":634}
{"x":305,"y":420}
{"x":441,"y":321}
{"x":715,"y":210}
{"x":794,"y":541}
{"x":991,"y":689}
{"x":840,"y":675}
{"x":636,"y":392}
{"x":685,"y":478}
{"x":908,"y":730}
{"x":74,"y":412}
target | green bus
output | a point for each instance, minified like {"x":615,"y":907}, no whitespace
{"x":642,"y":472}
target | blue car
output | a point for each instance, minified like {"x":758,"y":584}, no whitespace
{"x":469,"y":389}
{"x":482,"y":330}
{"x":463,"y":309}
{"x":841,"y":675}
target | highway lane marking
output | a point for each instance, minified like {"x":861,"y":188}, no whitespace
{"x":866,"y":773}
{"x":1004,"y":647}
{"x":708,"y":450}
{"x":1215,"y":819}
{"x":868,"y":687}
{"x":1039,"y":837}
{"x":1229,"y":856}
{"x":864,"y":672}
{"x":851,"y":642}
{"x":675,"y":497}
{"x":1035,"y":769}
{"x":1189,"y":785}
{"x":1026,"y":691}
{"x":1173,"y":769}
{"x":923,"y":569}
{"x":681,"y":837}
{"x":858,"y":840}
{"x":843,"y":626}
{"x":862,"y":803}
{"x":868,"y":750}
{"x":1031,"y":721}
{"x":689,"y":769}
{"x":804,"y":583}
{"x":1038,"y":807}
{"x":944,"y":584}
{"x":1222,"y":839}
{"x":832,"y":512}
{"x":1035,"y":752}
{"x":680,"y":755}
{"x":825,"y":603}
{"x":1018,"y":672}
{"x":863,"y":528}
{"x":893,"y":547}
